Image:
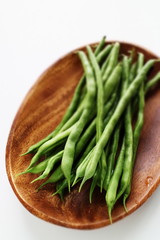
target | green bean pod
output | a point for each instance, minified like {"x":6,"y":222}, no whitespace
{"x":152,"y":82}
{"x":61,"y":186}
{"x":74,"y":102}
{"x":50,"y":165}
{"x":47,"y":146}
{"x":93,"y":143}
{"x":109,"y":87}
{"x":69,"y":150}
{"x":56,"y":176}
{"x":81,"y":167}
{"x":127,"y":166}
{"x":112,"y":82}
{"x":106,"y":71}
{"x":138,"y":127}
{"x":100,"y":46}
{"x":90,"y":131}
{"x":133,"y":72}
{"x":104,"y":53}
{"x":130,"y":92}
{"x":103,"y":169}
{"x":38,"y":168}
{"x":93,"y":184}
{"x":100,"y":107}
{"x":112,"y":155}
{"x":100,"y":93}
{"x":113,"y":184}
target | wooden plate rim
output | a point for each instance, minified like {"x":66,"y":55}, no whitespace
{"x":34,"y":211}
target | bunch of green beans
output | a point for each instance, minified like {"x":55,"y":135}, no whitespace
{"x":96,"y":140}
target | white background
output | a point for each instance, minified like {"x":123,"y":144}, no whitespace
{"x":33,"y":34}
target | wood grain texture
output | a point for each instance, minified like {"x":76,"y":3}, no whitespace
{"x":40,"y":112}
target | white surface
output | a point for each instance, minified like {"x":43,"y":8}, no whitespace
{"x":33,"y":34}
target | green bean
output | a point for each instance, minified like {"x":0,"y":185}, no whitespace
{"x":131,"y":91}
{"x":127,"y":166}
{"x":70,"y":147}
{"x":110,"y":112}
{"x":105,"y":63}
{"x":94,"y":183}
{"x":75,"y":117}
{"x":106,"y":108}
{"x":114,"y":78}
{"x":103,"y":168}
{"x":99,"y":55}
{"x":108,"y":90}
{"x":81,"y":168}
{"x":107,"y":152}
{"x":136,"y":135}
{"x":110,"y":102}
{"x":100,"y":106}
{"x":59,"y":146}
{"x":69,"y":150}
{"x":114,"y":181}
{"x":50,"y":165}
{"x":152,"y":82}
{"x":112,"y":61}
{"x":131,"y":56}
{"x":72,"y":105}
{"x":114,"y":145}
{"x":61,"y":186}
{"x":127,"y":184}
{"x":69,"y":112}
{"x":104,"y":53}
{"x":125,"y":73}
{"x":99,"y":176}
{"x":138,"y":128}
{"x":100,"y":46}
{"x":85,"y":131}
{"x":88,"y":148}
{"x":109,"y":87}
{"x":85,"y":153}
{"x":140,"y":62}
{"x":91,"y":129}
{"x":149,"y":85}
{"x":34,"y":147}
{"x":93,"y":141}
{"x":133,"y":71}
{"x":38,"y":168}
{"x":77,"y":114}
{"x":55,"y":177}
{"x":47,"y":146}
{"x":89,"y":132}
{"x":112,"y":148}
{"x":100,"y":93}
{"x":112,"y":155}
{"x":112,"y":82}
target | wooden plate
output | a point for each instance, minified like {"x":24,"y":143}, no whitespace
{"x":40,"y":112}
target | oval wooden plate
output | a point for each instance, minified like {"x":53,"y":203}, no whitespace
{"x":40,"y":112}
